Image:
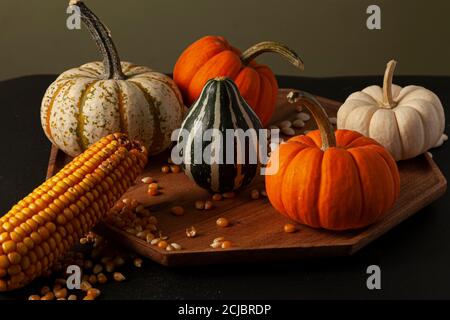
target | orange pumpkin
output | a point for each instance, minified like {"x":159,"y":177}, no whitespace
{"x":333,"y":180}
{"x":212,"y":56}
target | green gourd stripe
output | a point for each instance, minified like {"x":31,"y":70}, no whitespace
{"x":199,"y":172}
{"x":249,"y":115}
{"x":220,"y":107}
{"x":196,"y":112}
{"x":215,"y":122}
{"x":249,"y":120}
{"x":228,"y":172}
{"x":238,"y":124}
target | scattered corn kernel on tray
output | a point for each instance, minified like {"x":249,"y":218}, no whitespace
{"x":180,"y":225}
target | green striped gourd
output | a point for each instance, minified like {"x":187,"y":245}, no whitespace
{"x":221,"y":107}
{"x":87,"y":103}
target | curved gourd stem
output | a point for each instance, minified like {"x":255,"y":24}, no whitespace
{"x":275,"y":47}
{"x":319,"y":114}
{"x":103,"y":40}
{"x":388,"y":100}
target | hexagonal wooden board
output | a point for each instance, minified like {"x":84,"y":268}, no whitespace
{"x":257,"y":229}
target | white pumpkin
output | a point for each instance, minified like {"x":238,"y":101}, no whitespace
{"x":407,"y":121}
{"x":87,"y":103}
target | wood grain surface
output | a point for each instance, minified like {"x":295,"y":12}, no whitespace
{"x":256,"y":229}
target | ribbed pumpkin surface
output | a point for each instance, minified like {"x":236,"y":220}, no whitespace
{"x":80,"y":107}
{"x":87,"y":103}
{"x":213,"y":56}
{"x":348,"y":186}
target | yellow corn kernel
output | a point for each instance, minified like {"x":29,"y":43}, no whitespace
{"x":41,"y":227}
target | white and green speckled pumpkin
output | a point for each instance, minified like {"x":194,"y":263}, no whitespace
{"x":87,"y":103}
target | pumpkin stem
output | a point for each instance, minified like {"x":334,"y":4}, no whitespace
{"x":319,"y":114}
{"x":272,"y":46}
{"x":102,"y":37}
{"x":388,"y":100}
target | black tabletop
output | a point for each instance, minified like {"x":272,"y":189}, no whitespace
{"x":414,"y":257}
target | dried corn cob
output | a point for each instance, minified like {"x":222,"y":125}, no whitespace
{"x":40,"y":228}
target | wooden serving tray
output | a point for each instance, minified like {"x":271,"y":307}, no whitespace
{"x":257,"y":229}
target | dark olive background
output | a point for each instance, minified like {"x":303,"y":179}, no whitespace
{"x":330,"y":35}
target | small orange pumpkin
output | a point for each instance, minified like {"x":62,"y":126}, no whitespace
{"x":212,"y":56}
{"x":333,"y":180}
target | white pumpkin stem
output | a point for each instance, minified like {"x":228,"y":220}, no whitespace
{"x":319,"y":114}
{"x":388,"y":100}
{"x":275,"y":47}
{"x":102,"y":37}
